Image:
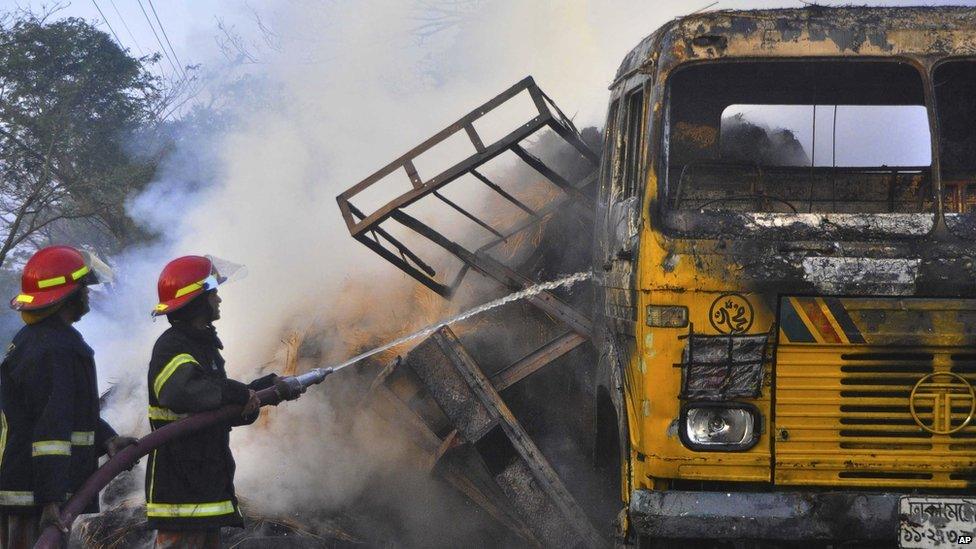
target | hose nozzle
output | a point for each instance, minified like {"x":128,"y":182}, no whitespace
{"x":292,"y":387}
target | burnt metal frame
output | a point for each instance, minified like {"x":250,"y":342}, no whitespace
{"x":366,"y":227}
{"x":546,"y":480}
{"x":385,"y":403}
{"x":475,"y":410}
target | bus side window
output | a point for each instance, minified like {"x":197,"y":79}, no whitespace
{"x":633,"y":145}
{"x":608,"y":172}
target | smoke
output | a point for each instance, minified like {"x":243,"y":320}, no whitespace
{"x":335,"y":91}
{"x":746,"y":141}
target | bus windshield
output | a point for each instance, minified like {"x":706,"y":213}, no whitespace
{"x":798,"y":137}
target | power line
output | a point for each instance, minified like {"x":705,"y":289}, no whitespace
{"x":158,"y":68}
{"x":703,"y":9}
{"x":158,"y":41}
{"x":156,"y":15}
{"x":109,"y":25}
{"x":126,"y":25}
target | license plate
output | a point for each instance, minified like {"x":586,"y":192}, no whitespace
{"x":930,"y":522}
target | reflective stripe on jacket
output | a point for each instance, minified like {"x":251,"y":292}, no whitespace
{"x":190,"y":481}
{"x":50,"y":432}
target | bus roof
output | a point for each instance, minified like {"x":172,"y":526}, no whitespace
{"x":812,"y":31}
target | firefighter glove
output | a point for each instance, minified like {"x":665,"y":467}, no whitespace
{"x":263,"y":382}
{"x":51,"y":515}
{"x":116,"y":444}
{"x":288,"y":388}
{"x":253,"y":404}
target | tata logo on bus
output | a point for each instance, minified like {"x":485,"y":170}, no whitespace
{"x":943,"y":403}
{"x":731,"y":314}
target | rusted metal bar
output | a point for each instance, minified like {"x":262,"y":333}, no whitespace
{"x":468,"y":214}
{"x":573,"y":138}
{"x":442,"y":135}
{"x":482,"y":155}
{"x":402,"y":248}
{"x":502,"y":274}
{"x":345,"y":208}
{"x":528,"y":365}
{"x":537,"y":99}
{"x":474,"y":137}
{"x":450,"y":441}
{"x":422,"y":272}
{"x":406,"y":267}
{"x":564,"y":126}
{"x":459,"y":277}
{"x":411,"y":170}
{"x":445,"y":177}
{"x":550,"y":174}
{"x":540,"y":215}
{"x":491,"y":185}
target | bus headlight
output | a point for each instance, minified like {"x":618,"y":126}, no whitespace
{"x":720,"y":426}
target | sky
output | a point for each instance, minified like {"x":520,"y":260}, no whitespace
{"x":192,"y":25}
{"x":187,"y":24}
{"x":866,"y":135}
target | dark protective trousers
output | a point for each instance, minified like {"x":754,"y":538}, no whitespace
{"x":19,"y":531}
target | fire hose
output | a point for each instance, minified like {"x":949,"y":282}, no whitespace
{"x":52,"y":538}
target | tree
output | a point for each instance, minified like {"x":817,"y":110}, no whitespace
{"x":72,"y":103}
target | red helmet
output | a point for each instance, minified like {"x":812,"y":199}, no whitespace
{"x":186,"y":277}
{"x":51,"y":275}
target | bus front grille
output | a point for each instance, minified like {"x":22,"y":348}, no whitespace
{"x":844,"y":415}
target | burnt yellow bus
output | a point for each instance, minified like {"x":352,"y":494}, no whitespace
{"x":787,"y":296}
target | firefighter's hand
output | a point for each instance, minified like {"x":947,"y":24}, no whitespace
{"x":263,"y":382}
{"x":116,"y":444}
{"x":51,"y":515}
{"x":253,"y":404}
{"x":288,"y":388}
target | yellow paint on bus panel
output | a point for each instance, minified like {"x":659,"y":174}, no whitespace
{"x":656,"y":450}
{"x":664,"y":453}
{"x":837,"y":436}
{"x":665,"y":457}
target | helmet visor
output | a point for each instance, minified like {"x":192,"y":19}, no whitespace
{"x":224,"y":271}
{"x":98,"y":271}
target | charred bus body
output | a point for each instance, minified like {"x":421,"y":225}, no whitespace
{"x":787,"y":303}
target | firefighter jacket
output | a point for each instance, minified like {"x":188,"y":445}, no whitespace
{"x":51,"y":435}
{"x":190,"y":481}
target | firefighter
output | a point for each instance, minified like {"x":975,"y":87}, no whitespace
{"x":190,"y":481}
{"x":51,"y":435}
